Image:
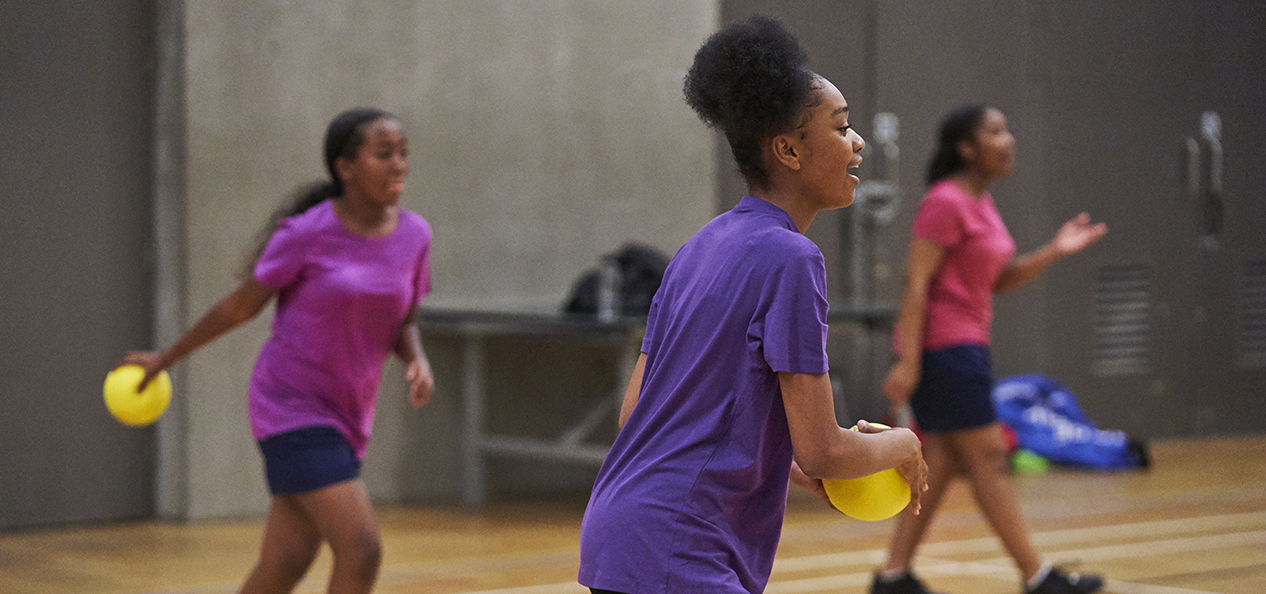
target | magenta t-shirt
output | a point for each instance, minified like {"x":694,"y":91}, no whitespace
{"x":341,"y":300}
{"x":977,"y":248}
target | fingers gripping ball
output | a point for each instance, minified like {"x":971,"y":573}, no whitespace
{"x":132,"y":408}
{"x":875,"y":497}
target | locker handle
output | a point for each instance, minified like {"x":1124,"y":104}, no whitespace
{"x":1214,"y":211}
{"x":1193,"y":169}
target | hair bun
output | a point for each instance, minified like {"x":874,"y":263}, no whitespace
{"x":750,"y":80}
{"x":747,"y":72}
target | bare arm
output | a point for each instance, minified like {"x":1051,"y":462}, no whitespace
{"x":244,"y":303}
{"x":924,"y":259}
{"x":1074,"y":236}
{"x":823,"y":449}
{"x":633,"y":391}
{"x":417,"y":367}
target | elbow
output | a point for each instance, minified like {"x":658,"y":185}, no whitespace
{"x":810,"y":466}
{"x":819,"y":463}
{"x":1007,"y":283}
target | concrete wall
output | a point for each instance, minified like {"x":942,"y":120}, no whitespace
{"x":542,"y":134}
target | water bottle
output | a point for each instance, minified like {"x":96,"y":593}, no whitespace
{"x":609,"y":290}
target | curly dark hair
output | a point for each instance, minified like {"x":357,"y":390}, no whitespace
{"x":751,"y":81}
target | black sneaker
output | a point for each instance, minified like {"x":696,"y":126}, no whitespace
{"x":1058,"y":582}
{"x":906,"y":584}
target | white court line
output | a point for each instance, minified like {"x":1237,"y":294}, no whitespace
{"x":563,"y":588}
{"x":998,"y":567}
{"x":1042,"y":539}
{"x":1001,"y":567}
{"x":1115,"y":587}
{"x":930,"y":566}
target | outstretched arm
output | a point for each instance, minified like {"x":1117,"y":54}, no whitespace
{"x":1074,"y":236}
{"x":244,"y":303}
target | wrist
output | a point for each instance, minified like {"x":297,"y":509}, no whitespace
{"x":1051,"y":252}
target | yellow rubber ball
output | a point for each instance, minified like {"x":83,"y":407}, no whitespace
{"x":130,"y":407}
{"x":870,"y":498}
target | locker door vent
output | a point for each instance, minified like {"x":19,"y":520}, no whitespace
{"x":1122,"y":320}
{"x":1253,"y":315}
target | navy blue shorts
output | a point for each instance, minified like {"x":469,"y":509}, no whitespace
{"x":307,"y":459}
{"x":955,"y":389}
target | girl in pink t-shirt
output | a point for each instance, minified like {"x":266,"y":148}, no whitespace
{"x":348,"y":267}
{"x":959,"y":256}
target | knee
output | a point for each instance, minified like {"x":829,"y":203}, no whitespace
{"x":991,"y":461}
{"x":361,"y":556}
{"x":984,"y":459}
{"x":288,"y":564}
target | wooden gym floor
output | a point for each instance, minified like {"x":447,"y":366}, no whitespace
{"x":1194,"y":523}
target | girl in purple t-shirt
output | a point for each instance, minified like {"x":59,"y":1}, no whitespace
{"x":348,"y":267}
{"x":730,"y":396}
{"x":960,"y":255}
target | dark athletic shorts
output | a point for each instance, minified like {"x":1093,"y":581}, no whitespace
{"x":307,"y":459}
{"x":955,"y":389}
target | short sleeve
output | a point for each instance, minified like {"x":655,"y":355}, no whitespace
{"x":939,"y":220}
{"x":652,"y":320}
{"x":794,"y":324}
{"x":422,"y":286}
{"x":282,"y":259}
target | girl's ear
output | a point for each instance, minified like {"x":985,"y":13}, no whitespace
{"x":344,"y":168}
{"x":786,"y":150}
{"x":967,"y":151}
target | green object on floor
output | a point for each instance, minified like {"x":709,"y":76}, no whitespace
{"x":1026,"y":462}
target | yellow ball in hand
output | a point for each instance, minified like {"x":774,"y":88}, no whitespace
{"x":874,"y":497}
{"x":130,"y":407}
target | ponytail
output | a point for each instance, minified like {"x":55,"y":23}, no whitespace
{"x":957,"y":126}
{"x":343,"y":138}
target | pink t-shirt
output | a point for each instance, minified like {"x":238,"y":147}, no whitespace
{"x":341,"y":300}
{"x":977,"y":247}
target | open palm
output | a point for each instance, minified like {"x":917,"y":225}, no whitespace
{"x":1078,"y":234}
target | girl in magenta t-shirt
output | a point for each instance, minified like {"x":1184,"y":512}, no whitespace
{"x":960,"y":255}
{"x":348,"y":267}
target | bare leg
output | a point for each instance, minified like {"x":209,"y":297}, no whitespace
{"x":344,"y":517}
{"x":910,"y":528}
{"x":983,"y":454}
{"x":290,"y":544}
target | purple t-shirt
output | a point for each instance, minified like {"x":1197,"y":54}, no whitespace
{"x":342,"y":298}
{"x":691,"y":496}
